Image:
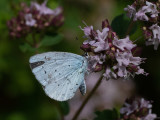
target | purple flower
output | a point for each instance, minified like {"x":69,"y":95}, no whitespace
{"x":43,"y":9}
{"x":126,"y":58}
{"x":94,"y":60}
{"x":123,"y":44}
{"x":102,"y":43}
{"x":155,"y":40}
{"x":141,"y":15}
{"x":29,"y":20}
{"x":140,"y":109}
{"x":151,"y":9}
{"x":35,"y":15}
{"x":145,"y":104}
{"x":109,"y":74}
{"x":122,"y":71}
{"x":129,"y":108}
{"x":131,"y":11}
{"x":142,"y":12}
{"x":87,"y":31}
{"x":114,"y":55}
{"x":150,"y":116}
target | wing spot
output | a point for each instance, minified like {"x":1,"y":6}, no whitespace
{"x":58,"y":85}
{"x":47,"y":58}
{"x":45,"y":72}
{"x":76,"y":84}
{"x":55,"y":71}
{"x":49,"y":76}
{"x":59,"y":73}
{"x":69,"y":80}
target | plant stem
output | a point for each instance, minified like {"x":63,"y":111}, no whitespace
{"x":87,"y":98}
{"x":130,"y":27}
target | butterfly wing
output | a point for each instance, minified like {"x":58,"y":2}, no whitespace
{"x":60,"y":73}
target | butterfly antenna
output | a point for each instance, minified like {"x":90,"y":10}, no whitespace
{"x":84,"y":23}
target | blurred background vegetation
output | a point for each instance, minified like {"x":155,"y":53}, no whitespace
{"x":22,"y":97}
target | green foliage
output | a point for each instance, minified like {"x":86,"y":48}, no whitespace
{"x":123,"y":26}
{"x":27,"y":48}
{"x":107,"y":115}
{"x":52,"y":4}
{"x":49,"y":40}
{"x":16,"y":116}
{"x":64,"y":107}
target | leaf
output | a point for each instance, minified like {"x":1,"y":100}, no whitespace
{"x":27,"y":48}
{"x":64,"y":107}
{"x":107,"y":115}
{"x":121,"y":24}
{"x":49,"y":40}
{"x":52,"y":4}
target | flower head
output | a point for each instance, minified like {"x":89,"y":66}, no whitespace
{"x":43,"y":9}
{"x":131,"y":11}
{"x":29,"y":20}
{"x":35,"y":17}
{"x":143,"y":11}
{"x":107,"y":52}
{"x":154,"y":38}
{"x":137,"y":109}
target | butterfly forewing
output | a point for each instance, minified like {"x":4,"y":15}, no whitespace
{"x":60,"y":73}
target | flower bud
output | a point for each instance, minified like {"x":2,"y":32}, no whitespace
{"x":86,"y":47}
{"x":153,"y":19}
{"x":132,"y":68}
{"x":98,"y":67}
{"x":93,"y":34}
{"x":143,"y":112}
{"x":147,"y":34}
{"x":105,"y":24}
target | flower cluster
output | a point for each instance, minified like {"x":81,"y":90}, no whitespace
{"x":35,"y":17}
{"x":107,"y":52}
{"x":137,"y":109}
{"x":149,"y":13}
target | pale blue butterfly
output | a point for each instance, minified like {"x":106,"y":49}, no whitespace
{"x":60,"y":73}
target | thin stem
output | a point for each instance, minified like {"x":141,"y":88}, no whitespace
{"x":87,"y":98}
{"x":130,"y":27}
{"x":34,"y":40}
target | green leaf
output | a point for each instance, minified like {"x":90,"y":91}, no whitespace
{"x":52,"y":4}
{"x":64,"y":107}
{"x":16,"y":116}
{"x":49,"y":40}
{"x":121,"y":24}
{"x":107,"y":115}
{"x":27,"y":48}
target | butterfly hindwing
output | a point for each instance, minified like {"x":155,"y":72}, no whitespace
{"x":60,"y":73}
{"x":66,"y":87}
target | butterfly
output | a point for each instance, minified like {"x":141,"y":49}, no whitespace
{"x":60,"y":73}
